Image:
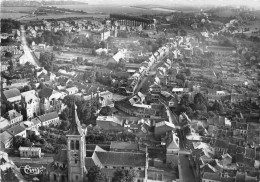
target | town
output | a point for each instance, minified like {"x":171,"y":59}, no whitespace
{"x":126,"y":98}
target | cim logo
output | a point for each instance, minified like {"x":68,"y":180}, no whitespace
{"x":32,"y":170}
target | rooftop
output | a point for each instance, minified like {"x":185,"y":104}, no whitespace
{"x":48,"y":116}
{"x":11,"y":93}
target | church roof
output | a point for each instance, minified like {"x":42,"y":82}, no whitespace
{"x":75,"y":128}
{"x":122,"y":159}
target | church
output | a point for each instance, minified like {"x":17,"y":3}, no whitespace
{"x":73,"y":163}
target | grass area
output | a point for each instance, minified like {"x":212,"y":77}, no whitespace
{"x":17,"y":9}
{"x":225,"y":13}
{"x":15,"y":15}
{"x":71,"y":15}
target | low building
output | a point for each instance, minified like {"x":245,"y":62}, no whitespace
{"x":6,"y":140}
{"x":49,"y":118}
{"x":30,"y":152}
{"x":72,"y":90}
{"x":162,"y":128}
{"x":31,"y":103}
{"x":4,"y":124}
{"x":17,"y":130}
{"x":14,"y":117}
{"x":12,"y":95}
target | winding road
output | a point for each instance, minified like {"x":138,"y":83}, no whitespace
{"x":27,"y":51}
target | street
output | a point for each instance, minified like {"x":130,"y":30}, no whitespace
{"x":144,"y":79}
{"x":27,"y":50}
{"x":185,"y":171}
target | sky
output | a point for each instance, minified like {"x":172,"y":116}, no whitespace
{"x":250,"y":3}
{"x":171,"y":3}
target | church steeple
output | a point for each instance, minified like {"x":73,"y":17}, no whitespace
{"x":76,"y":149}
{"x":75,"y":128}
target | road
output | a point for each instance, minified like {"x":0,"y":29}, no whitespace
{"x":145,"y":79}
{"x":185,"y":170}
{"x":27,"y":51}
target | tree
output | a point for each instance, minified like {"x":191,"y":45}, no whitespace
{"x":46,"y":60}
{"x":188,"y":72}
{"x":8,"y":54}
{"x":20,"y":141}
{"x":65,"y":114}
{"x":124,"y":176}
{"x":64,"y":124}
{"x":95,"y":175}
{"x":218,"y":106}
{"x":102,"y":44}
{"x":106,"y":111}
{"x":199,"y":99}
{"x":181,"y":77}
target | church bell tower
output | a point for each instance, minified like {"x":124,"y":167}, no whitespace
{"x":76,"y":149}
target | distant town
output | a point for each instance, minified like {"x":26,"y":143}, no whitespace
{"x":121,"y":97}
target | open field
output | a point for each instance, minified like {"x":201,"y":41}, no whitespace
{"x":18,"y":9}
{"x":12,"y":15}
{"x":58,"y":16}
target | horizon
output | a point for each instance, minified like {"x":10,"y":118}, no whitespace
{"x":192,"y":3}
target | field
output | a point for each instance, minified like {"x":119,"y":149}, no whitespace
{"x":16,"y":12}
{"x":18,"y":9}
{"x":12,"y":15}
{"x":57,"y":16}
{"x":225,"y":13}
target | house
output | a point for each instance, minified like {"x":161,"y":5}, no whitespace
{"x":171,"y":142}
{"x":12,"y":95}
{"x":49,"y":118}
{"x":6,"y":140}
{"x":32,"y":125}
{"x":162,"y":127}
{"x":31,"y":103}
{"x":49,"y":100}
{"x":110,"y":161}
{"x":4,"y":123}
{"x":14,"y":117}
{"x":17,"y":130}
{"x":71,"y":90}
{"x":30,"y":152}
{"x":221,"y":146}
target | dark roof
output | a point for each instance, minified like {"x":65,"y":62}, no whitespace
{"x":5,"y":137}
{"x":16,"y":130}
{"x":123,"y":145}
{"x":61,"y":156}
{"x":228,"y":179}
{"x":48,"y":116}
{"x":240,"y":158}
{"x":75,"y":127}
{"x":45,"y":92}
{"x":250,"y":153}
{"x":11,"y":93}
{"x":221,"y":144}
{"x":241,"y":150}
{"x":211,"y":176}
{"x":122,"y":159}
{"x":240,"y":177}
